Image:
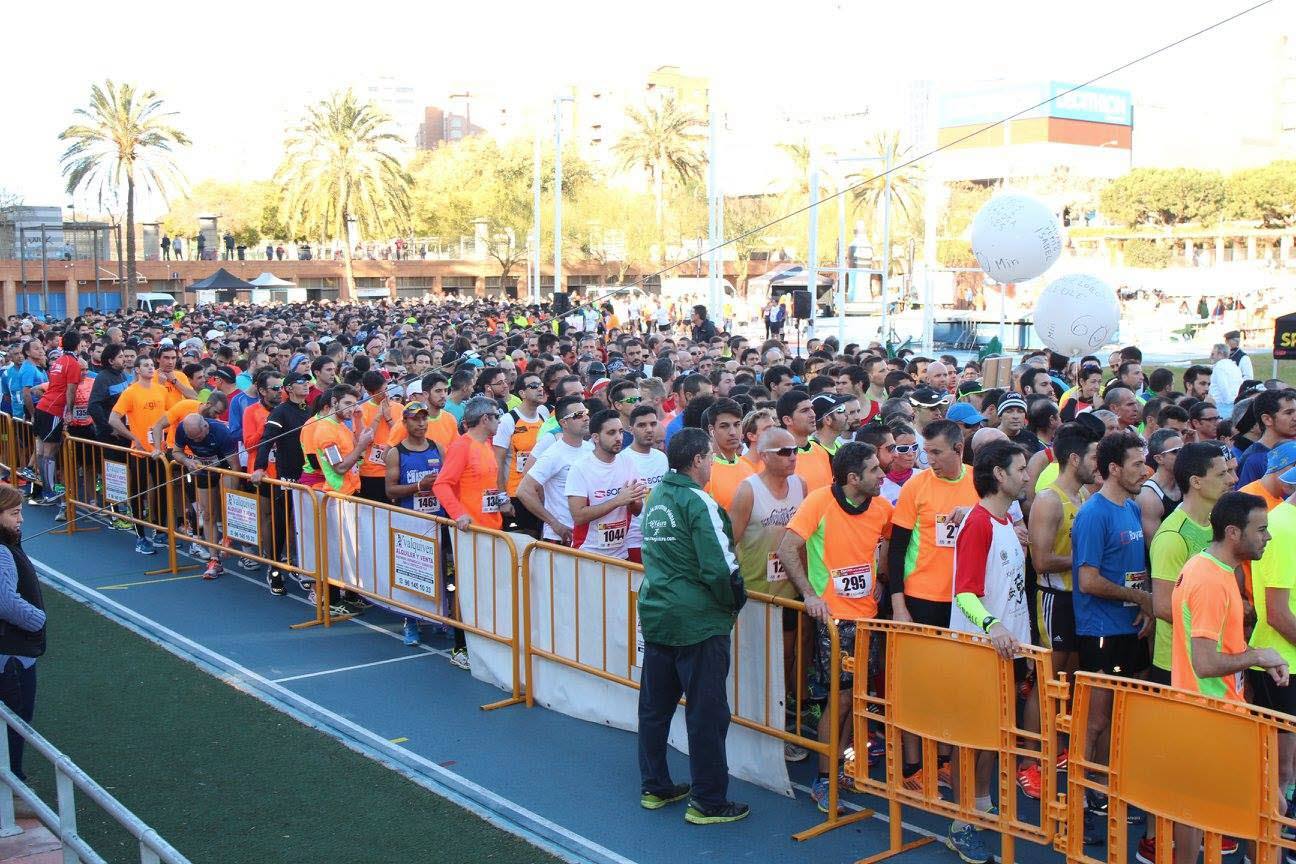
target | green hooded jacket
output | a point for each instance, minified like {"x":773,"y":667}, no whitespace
{"x":692,"y":588}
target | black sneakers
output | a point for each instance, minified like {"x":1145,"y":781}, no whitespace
{"x":275,"y":580}
{"x":730,"y":811}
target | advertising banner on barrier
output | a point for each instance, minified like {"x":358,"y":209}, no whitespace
{"x":241,"y":522}
{"x":116,"y":481}
{"x":602,"y":639}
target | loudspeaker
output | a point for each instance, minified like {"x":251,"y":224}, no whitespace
{"x":561,"y":303}
{"x":801,"y":304}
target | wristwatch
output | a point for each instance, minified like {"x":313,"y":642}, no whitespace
{"x":988,"y":622}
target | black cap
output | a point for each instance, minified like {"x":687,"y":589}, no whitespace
{"x":294,"y":378}
{"x":928,"y":397}
{"x":223,"y":374}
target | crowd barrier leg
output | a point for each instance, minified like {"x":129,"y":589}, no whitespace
{"x":72,"y":480}
{"x":166,"y":519}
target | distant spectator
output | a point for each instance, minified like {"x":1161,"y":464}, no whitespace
{"x":166,"y":248}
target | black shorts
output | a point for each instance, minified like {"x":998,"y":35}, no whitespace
{"x":1265,"y":693}
{"x":47,"y":427}
{"x":1124,"y":654}
{"x":84,"y":433}
{"x":1055,"y":617}
{"x":930,"y":612}
{"x":1157,"y":675}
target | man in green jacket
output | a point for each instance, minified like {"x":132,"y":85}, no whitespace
{"x":688,"y":602}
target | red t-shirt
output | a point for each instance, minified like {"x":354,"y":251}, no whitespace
{"x":63,"y":373}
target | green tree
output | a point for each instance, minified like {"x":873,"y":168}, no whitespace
{"x":614,"y":227}
{"x":249,"y":209}
{"x":869,"y":192}
{"x":125,"y":137}
{"x":477,"y":178}
{"x":746,"y":220}
{"x":1266,"y":194}
{"x":1161,"y":196}
{"x":666,"y":142}
{"x":338,"y":166}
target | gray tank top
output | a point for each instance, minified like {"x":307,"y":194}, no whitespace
{"x":769,"y":519}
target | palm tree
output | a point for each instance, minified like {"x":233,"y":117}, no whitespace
{"x":906,"y":180}
{"x":125,"y":135}
{"x":665,"y":140}
{"x":338,"y":166}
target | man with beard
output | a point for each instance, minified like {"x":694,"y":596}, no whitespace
{"x":603,"y":491}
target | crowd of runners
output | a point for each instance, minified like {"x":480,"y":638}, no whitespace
{"x":1140,"y":525}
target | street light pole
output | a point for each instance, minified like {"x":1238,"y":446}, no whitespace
{"x":535,"y":222}
{"x":713,"y":226}
{"x":886,"y":247}
{"x":812,"y":253}
{"x":558,"y":100}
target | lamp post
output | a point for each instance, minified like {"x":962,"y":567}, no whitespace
{"x":558,"y":100}
{"x":534,"y":263}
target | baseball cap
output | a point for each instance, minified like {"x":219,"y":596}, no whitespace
{"x":293,"y":378}
{"x":415,"y":408}
{"x":1281,"y":458}
{"x":214,"y":334}
{"x":962,"y":412}
{"x":928,"y":397}
{"x":1011,"y":400}
{"x":826,"y":403}
{"x":967,"y":388}
{"x":223,"y":374}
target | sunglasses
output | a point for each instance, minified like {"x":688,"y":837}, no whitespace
{"x":576,"y":415}
{"x":274,"y":389}
{"x":1169,"y":451}
{"x":631,"y":400}
{"x":533,"y":385}
{"x":906,"y":448}
{"x":1214,"y":419}
{"x":785,"y":452}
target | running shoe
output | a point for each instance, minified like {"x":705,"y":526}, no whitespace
{"x":60,"y":489}
{"x":199,"y":552}
{"x":61,"y":515}
{"x":47,"y":500}
{"x":658,"y":800}
{"x":120,"y":524}
{"x":275,"y":580}
{"x":876,"y":750}
{"x":730,"y":811}
{"x":144,"y":547}
{"x":159,"y":539}
{"x":410,"y":632}
{"x":1030,"y":780}
{"x":914,"y":782}
{"x":248,"y":564}
{"x":966,"y":842}
{"x":215,"y":569}
{"x":339,"y":610}
{"x":1063,"y":759}
{"x":29,"y":475}
{"x":1096,"y":803}
{"x":793,"y":753}
{"x":945,"y":776}
{"x":819,"y":794}
{"x":459,"y":659}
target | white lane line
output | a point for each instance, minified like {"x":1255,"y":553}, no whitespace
{"x":499,"y":811}
{"x":350,"y":668}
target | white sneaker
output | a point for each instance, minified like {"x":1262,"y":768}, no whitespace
{"x":459,"y":659}
{"x":199,"y":552}
{"x":793,"y":753}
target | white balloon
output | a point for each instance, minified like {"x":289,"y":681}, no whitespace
{"x":1077,"y":314}
{"x":1015,"y":237}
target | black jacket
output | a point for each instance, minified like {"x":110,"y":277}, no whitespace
{"x":13,"y":639}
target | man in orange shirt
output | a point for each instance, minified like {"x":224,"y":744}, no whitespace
{"x":443,"y":428}
{"x":467,"y":486}
{"x":796,"y":414}
{"x":829,"y":552}
{"x":1210,"y":646}
{"x":381,"y":413}
{"x":723,"y":421}
{"x":176,"y":382}
{"x":340,"y":441}
{"x":932,"y":504}
{"x":133,"y":417}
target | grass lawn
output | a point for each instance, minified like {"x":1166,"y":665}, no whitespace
{"x":1263,"y":364}
{"x":223,"y":777}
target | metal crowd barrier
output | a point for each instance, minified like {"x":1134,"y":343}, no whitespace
{"x":1180,"y":757}
{"x":68,"y":778}
{"x":614,"y":575}
{"x":396,"y":558}
{"x":964,"y":697}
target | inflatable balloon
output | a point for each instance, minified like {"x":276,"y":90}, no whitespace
{"x":1077,"y":315}
{"x":1015,"y":237}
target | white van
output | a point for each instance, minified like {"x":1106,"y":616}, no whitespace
{"x":154,"y":302}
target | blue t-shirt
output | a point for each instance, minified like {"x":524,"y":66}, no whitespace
{"x":674,"y":426}
{"x":1252,"y":465}
{"x":13,"y":395}
{"x":220,"y":443}
{"x":29,"y":375}
{"x":456,"y":409}
{"x":1108,"y":537}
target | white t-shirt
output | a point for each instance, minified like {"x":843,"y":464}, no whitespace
{"x":649,"y":467}
{"x":544,"y":441}
{"x":597,"y":481}
{"x":550,"y":471}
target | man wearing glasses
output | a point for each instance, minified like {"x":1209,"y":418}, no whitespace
{"x":543,"y":490}
{"x":514,"y":441}
{"x":624,"y":396}
{"x":1204,"y":418}
{"x":929,"y":405}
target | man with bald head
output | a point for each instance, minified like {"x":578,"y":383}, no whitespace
{"x":938,"y":376}
{"x":201,"y":443}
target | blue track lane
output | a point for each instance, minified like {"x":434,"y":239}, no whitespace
{"x":568,"y":785}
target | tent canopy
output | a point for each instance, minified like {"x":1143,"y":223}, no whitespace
{"x":222,"y":280}
{"x":269,"y":280}
{"x":787,"y":277}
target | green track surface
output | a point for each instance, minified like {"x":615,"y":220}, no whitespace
{"x":222,"y":776}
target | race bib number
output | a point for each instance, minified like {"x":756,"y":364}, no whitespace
{"x":150,"y":438}
{"x":774,"y":571}
{"x":612,"y":534}
{"x":1136,"y":582}
{"x":377,"y":454}
{"x":80,"y":412}
{"x":946,"y":530}
{"x":493,"y":500}
{"x":853,"y":582}
{"x":520,"y":460}
{"x":426,"y":502}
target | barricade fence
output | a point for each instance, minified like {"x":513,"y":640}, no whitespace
{"x":541,"y":618}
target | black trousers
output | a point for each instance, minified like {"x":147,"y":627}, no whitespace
{"x":698,"y":673}
{"x":18,"y":692}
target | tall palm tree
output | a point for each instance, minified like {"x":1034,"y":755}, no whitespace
{"x":338,"y":165}
{"x":665,"y":141}
{"x":906,"y":181}
{"x":124,"y":136}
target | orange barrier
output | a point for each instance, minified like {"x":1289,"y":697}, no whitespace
{"x":965,"y":697}
{"x":411,"y":544}
{"x":1180,"y":757}
{"x":18,"y":443}
{"x":606,"y":662}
